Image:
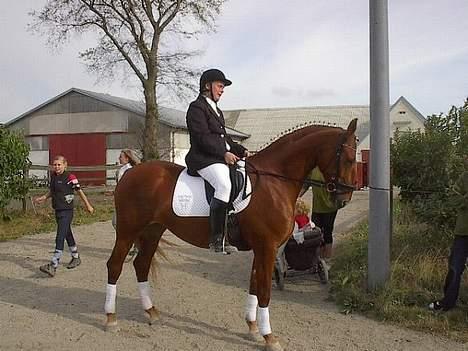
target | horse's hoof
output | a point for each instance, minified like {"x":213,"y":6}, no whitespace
{"x":255,"y":336}
{"x":276,"y":346}
{"x":111,"y":327}
{"x":152,"y":314}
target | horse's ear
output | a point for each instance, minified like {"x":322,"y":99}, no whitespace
{"x":352,"y":126}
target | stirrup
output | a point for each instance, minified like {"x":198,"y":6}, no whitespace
{"x":228,"y":248}
{"x":222,"y":246}
{"x":216,"y":248}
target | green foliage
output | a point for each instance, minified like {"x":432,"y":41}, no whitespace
{"x":426,"y":163}
{"x":14,"y":163}
{"x":419,"y":264}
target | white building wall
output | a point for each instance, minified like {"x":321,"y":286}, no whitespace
{"x":402,"y":117}
{"x":87,"y":122}
{"x":39,"y":158}
{"x":181,"y":146}
{"x":112,"y":158}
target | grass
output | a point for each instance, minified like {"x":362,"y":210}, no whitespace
{"x":418,"y":269}
{"x":43,"y":220}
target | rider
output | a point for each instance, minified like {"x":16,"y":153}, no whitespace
{"x":212,"y":150}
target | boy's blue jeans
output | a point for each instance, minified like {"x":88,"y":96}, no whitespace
{"x":64,"y":219}
{"x":457,"y":261}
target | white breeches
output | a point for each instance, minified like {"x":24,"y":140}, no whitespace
{"x":217,"y":175}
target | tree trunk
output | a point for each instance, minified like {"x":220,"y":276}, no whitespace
{"x":150,"y":141}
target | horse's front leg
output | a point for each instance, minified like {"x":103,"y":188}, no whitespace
{"x":263,"y":270}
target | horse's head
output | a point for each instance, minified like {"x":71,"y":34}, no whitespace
{"x":340,"y":170}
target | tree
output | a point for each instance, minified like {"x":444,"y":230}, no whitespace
{"x":140,"y":34}
{"x":14,"y":163}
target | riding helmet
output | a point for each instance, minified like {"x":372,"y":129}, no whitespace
{"x":213,"y":75}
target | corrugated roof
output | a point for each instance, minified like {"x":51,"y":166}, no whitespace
{"x":169,"y":116}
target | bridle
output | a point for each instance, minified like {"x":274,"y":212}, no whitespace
{"x":334,"y":186}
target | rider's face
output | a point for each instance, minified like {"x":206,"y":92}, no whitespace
{"x":217,"y":88}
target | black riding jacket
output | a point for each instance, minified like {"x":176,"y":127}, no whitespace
{"x":208,"y":137}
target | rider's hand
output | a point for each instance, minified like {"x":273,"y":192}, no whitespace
{"x":230,"y":158}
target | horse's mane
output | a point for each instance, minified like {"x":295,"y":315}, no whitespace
{"x":294,"y":133}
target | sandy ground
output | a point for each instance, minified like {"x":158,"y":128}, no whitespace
{"x":201,"y":298}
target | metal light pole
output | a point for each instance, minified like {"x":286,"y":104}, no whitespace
{"x":379,"y":196}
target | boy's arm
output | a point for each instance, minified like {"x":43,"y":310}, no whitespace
{"x":85,"y":200}
{"x":41,"y":199}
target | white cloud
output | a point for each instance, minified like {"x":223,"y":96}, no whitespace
{"x":294,"y":53}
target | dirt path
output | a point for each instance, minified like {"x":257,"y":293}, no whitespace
{"x":201,"y":298}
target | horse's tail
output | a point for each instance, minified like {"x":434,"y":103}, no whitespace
{"x":154,"y":267}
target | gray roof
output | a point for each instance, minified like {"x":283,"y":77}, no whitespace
{"x":266,"y":124}
{"x":168,"y":116}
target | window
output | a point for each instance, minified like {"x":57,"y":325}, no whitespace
{"x":38,"y":143}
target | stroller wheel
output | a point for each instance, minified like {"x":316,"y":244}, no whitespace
{"x":279,"y":279}
{"x":322,"y":270}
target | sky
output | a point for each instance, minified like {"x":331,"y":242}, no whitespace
{"x":305,"y":53}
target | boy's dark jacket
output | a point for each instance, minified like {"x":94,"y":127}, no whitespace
{"x":62,"y":187}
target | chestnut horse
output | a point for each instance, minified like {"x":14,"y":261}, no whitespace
{"x":143,"y":201}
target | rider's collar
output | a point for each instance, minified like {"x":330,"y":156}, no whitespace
{"x":212,"y":104}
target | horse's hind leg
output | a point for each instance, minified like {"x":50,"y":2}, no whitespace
{"x":251,"y":307}
{"x":148,"y":245}
{"x":114,"y":268}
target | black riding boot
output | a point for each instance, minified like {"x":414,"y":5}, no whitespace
{"x":217,"y":219}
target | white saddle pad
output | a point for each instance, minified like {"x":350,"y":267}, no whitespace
{"x":189,"y":199}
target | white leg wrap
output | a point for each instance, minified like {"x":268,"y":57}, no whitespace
{"x":251,"y":308}
{"x":145,"y":292}
{"x":111,"y":293}
{"x":263,"y":321}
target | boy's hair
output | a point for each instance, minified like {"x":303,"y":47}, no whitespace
{"x":60,"y":158}
{"x":302,"y":208}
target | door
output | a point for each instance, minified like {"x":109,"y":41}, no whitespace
{"x":81,"y":150}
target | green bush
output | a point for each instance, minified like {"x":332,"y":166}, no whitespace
{"x":14,"y":164}
{"x":426,"y":163}
{"x":419,"y":265}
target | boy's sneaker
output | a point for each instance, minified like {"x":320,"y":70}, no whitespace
{"x":437,"y":306}
{"x":75,"y":262}
{"x":48,"y":269}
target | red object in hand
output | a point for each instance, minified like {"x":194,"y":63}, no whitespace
{"x":302,"y":220}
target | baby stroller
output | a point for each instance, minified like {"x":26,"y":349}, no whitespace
{"x":301,"y":253}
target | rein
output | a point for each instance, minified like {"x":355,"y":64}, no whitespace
{"x":331,"y":187}
{"x":334,"y":186}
